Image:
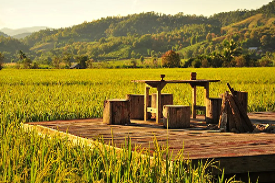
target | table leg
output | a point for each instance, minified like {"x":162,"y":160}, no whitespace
{"x":146,"y":102}
{"x":158,"y":105}
{"x":194,"y":101}
{"x":206,"y":90}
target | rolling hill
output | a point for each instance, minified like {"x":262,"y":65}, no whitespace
{"x":151,"y":34}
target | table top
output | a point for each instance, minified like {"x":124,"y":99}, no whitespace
{"x":192,"y":82}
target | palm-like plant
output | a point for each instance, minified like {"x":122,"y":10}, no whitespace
{"x":230,"y":50}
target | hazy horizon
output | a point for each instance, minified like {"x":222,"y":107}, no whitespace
{"x":61,"y":13}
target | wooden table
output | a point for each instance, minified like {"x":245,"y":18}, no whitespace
{"x":159,"y":85}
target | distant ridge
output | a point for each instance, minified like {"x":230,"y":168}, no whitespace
{"x":21,"y":36}
{"x":3,"y":34}
{"x":14,"y":32}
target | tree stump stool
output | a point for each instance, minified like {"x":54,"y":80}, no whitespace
{"x":242,"y":97}
{"x":137,"y":105}
{"x":213,"y":110}
{"x":166,"y":99}
{"x":176,"y":116}
{"x":116,"y":112}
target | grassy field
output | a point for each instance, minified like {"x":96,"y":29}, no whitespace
{"x":39,"y":95}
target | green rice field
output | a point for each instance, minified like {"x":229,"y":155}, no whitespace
{"x":42,"y":95}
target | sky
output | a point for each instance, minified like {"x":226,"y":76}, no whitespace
{"x":65,"y":13}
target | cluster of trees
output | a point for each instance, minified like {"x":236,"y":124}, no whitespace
{"x":231,"y":56}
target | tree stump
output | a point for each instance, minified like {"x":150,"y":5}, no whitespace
{"x":136,"y":105}
{"x":213,"y":110}
{"x":166,"y":99}
{"x":243,"y":99}
{"x":116,"y":112}
{"x":234,"y":113}
{"x":176,"y":116}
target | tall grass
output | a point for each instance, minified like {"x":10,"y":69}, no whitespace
{"x":27,"y":156}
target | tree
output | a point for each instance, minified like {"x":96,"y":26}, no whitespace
{"x":171,"y":59}
{"x":82,"y":61}
{"x":26,"y":62}
{"x":230,"y":51}
{"x":89,"y":63}
{"x":67,"y":60}
{"x":56,"y":62}
{"x":264,"y":40}
{"x":209,"y":37}
{"x":141,"y":59}
{"x":1,"y":60}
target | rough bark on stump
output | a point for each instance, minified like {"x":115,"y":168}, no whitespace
{"x":243,"y":99}
{"x":116,"y":112}
{"x":137,"y":105}
{"x":166,"y":99}
{"x":213,"y":110}
{"x":176,"y":116}
{"x":236,"y":116}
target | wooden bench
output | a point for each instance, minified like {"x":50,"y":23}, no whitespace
{"x":176,"y":116}
{"x":213,"y":110}
{"x":137,"y":105}
{"x":116,"y":112}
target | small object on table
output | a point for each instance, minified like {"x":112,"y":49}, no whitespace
{"x":193,"y":76}
{"x":162,"y":77}
{"x":116,"y":112}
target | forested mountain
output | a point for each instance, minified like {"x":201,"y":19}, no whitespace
{"x":10,"y":46}
{"x":3,"y":34}
{"x":151,"y":34}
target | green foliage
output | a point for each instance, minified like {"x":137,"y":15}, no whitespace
{"x":1,"y":60}
{"x":171,"y":59}
{"x":82,"y":61}
{"x":141,"y":59}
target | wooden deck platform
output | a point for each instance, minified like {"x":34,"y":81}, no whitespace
{"x":237,"y":153}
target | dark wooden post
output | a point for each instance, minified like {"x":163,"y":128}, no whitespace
{"x":194,"y":95}
{"x":146,"y":102}
{"x":158,"y":104}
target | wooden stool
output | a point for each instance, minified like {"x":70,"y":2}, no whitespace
{"x":136,"y":105}
{"x":166,"y":99}
{"x":176,"y":116}
{"x":213,"y":110}
{"x":116,"y":112}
